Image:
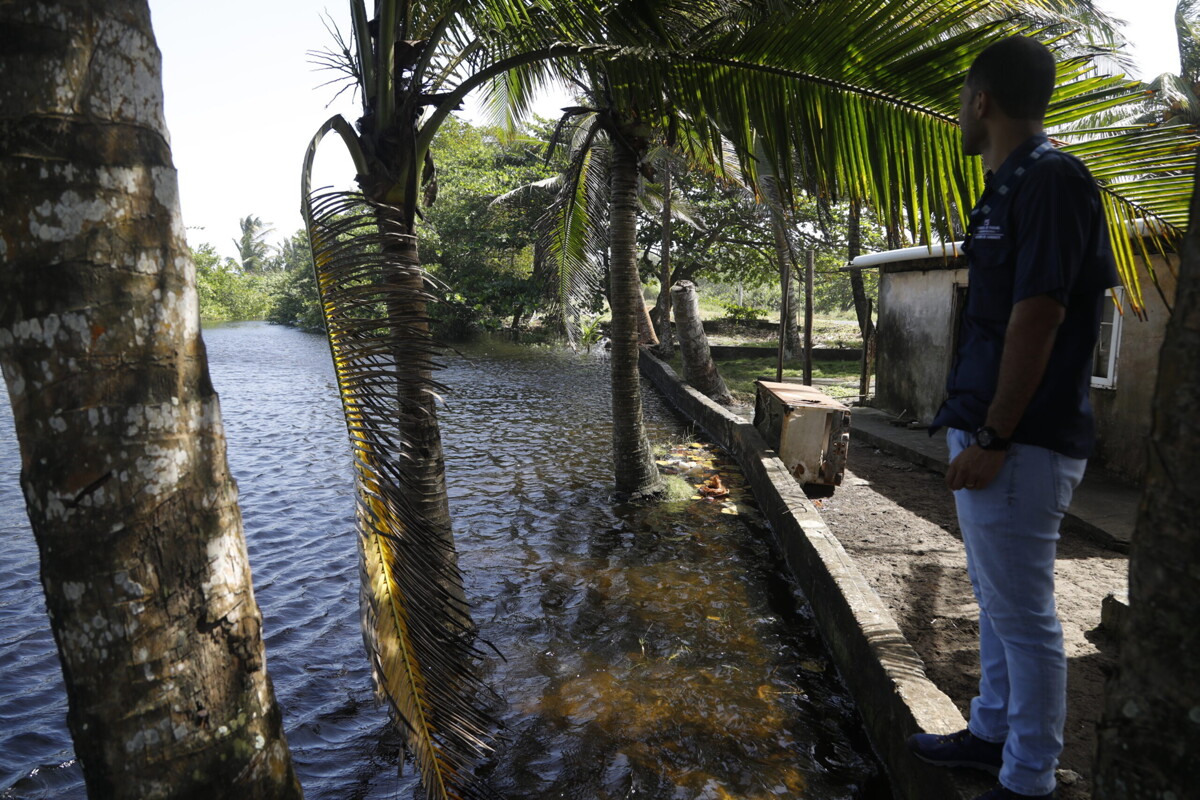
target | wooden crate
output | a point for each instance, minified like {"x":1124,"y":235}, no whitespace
{"x":809,"y":430}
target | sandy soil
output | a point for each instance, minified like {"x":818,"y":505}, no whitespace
{"x":898,"y":522}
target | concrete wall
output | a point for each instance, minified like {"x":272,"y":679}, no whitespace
{"x":1124,"y":411}
{"x":916,"y":336}
{"x":915,"y":339}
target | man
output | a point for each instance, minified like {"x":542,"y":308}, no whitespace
{"x":1020,"y":425}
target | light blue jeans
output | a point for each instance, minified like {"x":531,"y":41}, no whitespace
{"x":1010,"y":530}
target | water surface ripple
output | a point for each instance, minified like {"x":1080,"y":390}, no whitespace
{"x":649,"y":651}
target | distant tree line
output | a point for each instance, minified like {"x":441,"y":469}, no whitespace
{"x":485,"y":253}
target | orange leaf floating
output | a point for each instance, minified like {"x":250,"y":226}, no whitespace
{"x":713,"y":488}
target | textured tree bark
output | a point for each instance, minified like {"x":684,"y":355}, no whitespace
{"x":862,"y":303}
{"x":789,"y":330}
{"x":698,"y":367}
{"x":665,"y":347}
{"x":633,"y":459}
{"x":1150,"y":732}
{"x":646,"y":334}
{"x":420,"y":445}
{"x":143,"y":561}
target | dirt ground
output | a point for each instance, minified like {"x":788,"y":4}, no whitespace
{"x":897,"y":520}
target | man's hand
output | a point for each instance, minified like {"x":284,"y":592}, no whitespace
{"x":974,"y":468}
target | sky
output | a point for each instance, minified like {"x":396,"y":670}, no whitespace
{"x":243,"y":101}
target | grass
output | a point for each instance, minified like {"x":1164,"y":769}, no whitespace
{"x":740,"y":374}
{"x":826,"y":333}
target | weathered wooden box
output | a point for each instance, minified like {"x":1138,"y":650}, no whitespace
{"x":809,"y":430}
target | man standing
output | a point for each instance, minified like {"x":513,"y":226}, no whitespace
{"x":1018,"y":412}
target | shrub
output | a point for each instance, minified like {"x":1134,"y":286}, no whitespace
{"x":738,"y":314}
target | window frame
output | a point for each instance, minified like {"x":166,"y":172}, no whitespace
{"x":1109,"y":379}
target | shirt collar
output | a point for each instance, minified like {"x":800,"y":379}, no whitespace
{"x":1016,"y":157}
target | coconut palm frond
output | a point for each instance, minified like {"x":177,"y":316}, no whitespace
{"x":1187,"y":31}
{"x":1144,"y":170}
{"x":572,"y":232}
{"x":416,"y":631}
{"x":651,"y":196}
{"x":872,"y":116}
{"x":551,"y":184}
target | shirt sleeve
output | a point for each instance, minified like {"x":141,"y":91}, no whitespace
{"x":1055,"y":215}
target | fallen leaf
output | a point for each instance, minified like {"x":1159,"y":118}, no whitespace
{"x":713,"y":487}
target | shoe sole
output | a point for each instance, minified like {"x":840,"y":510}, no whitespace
{"x":991,"y":769}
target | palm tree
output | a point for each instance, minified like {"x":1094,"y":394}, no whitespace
{"x":253,"y":250}
{"x":143,"y":561}
{"x":863,"y":92}
{"x":413,"y":64}
{"x":870,"y":117}
{"x":1149,"y":731}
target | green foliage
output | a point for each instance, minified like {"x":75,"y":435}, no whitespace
{"x":294,"y":300}
{"x":225,"y":292}
{"x":738,"y":313}
{"x":589,"y":331}
{"x":838,"y":378}
{"x":483,"y":251}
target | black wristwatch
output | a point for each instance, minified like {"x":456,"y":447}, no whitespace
{"x":987,"y":438}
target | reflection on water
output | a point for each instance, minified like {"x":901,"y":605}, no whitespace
{"x":649,"y":651}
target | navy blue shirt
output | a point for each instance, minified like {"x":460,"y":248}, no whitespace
{"x":1039,"y":228}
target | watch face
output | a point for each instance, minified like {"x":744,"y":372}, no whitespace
{"x":985,"y":437}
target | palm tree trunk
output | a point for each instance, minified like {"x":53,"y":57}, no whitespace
{"x":1150,"y":732}
{"x":783,"y":253}
{"x":698,"y":367}
{"x":633,"y":459}
{"x":420,"y":453}
{"x":662,"y":308}
{"x":862,"y":303}
{"x":143,"y":560}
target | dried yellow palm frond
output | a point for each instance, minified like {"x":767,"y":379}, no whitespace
{"x":415,"y":624}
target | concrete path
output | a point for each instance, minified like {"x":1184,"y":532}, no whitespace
{"x":1104,"y":507}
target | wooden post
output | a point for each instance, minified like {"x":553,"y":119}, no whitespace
{"x":784,"y":314}
{"x":809,"y":267}
{"x":868,"y":356}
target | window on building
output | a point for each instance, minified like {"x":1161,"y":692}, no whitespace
{"x":1104,"y":359}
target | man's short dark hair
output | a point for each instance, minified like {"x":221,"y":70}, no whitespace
{"x":1018,"y":72}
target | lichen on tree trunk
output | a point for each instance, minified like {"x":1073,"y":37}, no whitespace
{"x":1149,"y":734}
{"x":143,"y":561}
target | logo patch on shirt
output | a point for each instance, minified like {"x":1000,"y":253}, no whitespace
{"x":989,"y":232}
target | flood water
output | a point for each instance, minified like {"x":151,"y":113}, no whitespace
{"x":648,"y":651}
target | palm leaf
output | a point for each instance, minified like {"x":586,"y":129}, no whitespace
{"x":572,"y":232}
{"x":416,"y":630}
{"x":870,"y":106}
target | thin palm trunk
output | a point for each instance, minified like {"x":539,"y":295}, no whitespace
{"x":862,"y":303}
{"x":420,"y":446}
{"x":143,"y":561}
{"x":1150,"y":732}
{"x":785,"y":258}
{"x":633,"y":459}
{"x":662,"y":307}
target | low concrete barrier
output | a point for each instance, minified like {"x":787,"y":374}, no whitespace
{"x":883,"y":672}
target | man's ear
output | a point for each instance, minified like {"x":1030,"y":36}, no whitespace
{"x":983,"y":103}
